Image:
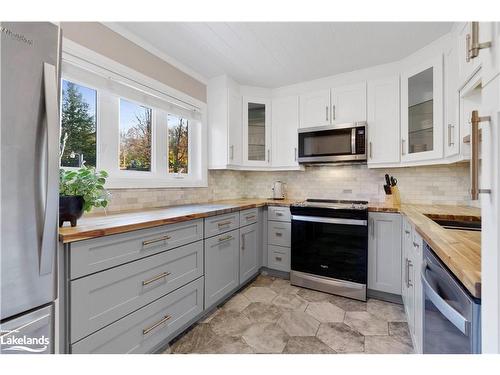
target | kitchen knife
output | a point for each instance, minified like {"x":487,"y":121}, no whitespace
{"x":387,"y":180}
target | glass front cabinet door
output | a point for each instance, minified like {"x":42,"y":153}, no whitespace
{"x":256,"y":131}
{"x":422,"y":111}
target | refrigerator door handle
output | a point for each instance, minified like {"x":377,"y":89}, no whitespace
{"x":51,"y":188}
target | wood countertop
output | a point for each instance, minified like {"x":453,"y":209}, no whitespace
{"x":94,"y":226}
{"x":460,"y":250}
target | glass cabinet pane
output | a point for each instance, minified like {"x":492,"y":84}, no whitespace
{"x":420,"y":112}
{"x":256,"y":131}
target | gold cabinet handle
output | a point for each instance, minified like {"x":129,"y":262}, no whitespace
{"x":224,"y":223}
{"x":225,"y":238}
{"x":473,"y":44}
{"x":279,"y":259}
{"x":145,"y":331}
{"x":156,"y":278}
{"x":279,"y":234}
{"x":250,"y":217}
{"x":149,"y":242}
{"x":279,"y":214}
{"x":474,"y":163}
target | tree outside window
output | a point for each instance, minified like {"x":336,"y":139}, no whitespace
{"x":135,"y":136}
{"x":78,"y":125}
{"x":178,"y":144}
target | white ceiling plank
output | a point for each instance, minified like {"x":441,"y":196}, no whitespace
{"x":275,"y":54}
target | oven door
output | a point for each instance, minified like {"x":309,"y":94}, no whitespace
{"x":330,"y":247}
{"x":336,"y":143}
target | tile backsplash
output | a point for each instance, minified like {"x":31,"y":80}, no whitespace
{"x":445,"y":184}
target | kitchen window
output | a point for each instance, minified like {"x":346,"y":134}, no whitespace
{"x":144,"y":134}
{"x":178,"y":144}
{"x":78,"y":125}
{"x":135,"y":136}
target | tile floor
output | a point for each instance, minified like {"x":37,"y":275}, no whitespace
{"x":272,"y":316}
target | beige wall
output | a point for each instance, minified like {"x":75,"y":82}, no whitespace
{"x":99,"y":38}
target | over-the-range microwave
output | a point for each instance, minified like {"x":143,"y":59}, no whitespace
{"x":342,"y":143}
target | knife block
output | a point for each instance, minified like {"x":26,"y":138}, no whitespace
{"x":396,"y":198}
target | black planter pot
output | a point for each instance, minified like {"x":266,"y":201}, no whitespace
{"x":70,"y":209}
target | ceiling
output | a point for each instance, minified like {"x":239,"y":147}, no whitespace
{"x":274,"y":54}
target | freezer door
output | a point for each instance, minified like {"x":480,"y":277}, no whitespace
{"x":29,"y":165}
{"x":31,"y":333}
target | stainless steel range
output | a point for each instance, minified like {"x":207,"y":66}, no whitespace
{"x":330,"y":246}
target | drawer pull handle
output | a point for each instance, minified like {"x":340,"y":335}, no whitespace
{"x":324,"y":266}
{"x":156,"y":278}
{"x":224,"y":223}
{"x":279,"y":259}
{"x":145,"y":331}
{"x":279,"y":234}
{"x":416,"y":244}
{"x":225,"y":238}
{"x":279,"y":214}
{"x":149,"y":242}
{"x":407,"y":231}
{"x":250,"y":217}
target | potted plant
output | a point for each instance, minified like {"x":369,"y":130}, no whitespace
{"x":80,"y":190}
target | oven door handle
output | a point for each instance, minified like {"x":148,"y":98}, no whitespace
{"x":329,"y":220}
{"x":452,"y":315}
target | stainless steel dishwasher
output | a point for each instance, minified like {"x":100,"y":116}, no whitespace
{"x":452,"y":317}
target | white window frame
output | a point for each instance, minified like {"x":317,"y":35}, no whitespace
{"x":158,"y":177}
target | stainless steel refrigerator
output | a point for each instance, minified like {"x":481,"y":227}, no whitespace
{"x":30,"y":60}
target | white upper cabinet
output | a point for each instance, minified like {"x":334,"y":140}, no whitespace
{"x":478,"y":48}
{"x":284,"y":125}
{"x":224,"y":123}
{"x":339,"y":105}
{"x":256,"y":131}
{"x":422,"y":111}
{"x":349,"y":103}
{"x":383,"y":121}
{"x":451,"y":103}
{"x":315,"y":109}
{"x":234,"y":116}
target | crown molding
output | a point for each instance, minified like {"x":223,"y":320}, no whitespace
{"x":117,"y":28}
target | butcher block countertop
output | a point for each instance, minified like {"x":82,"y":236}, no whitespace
{"x":93,"y":226}
{"x":460,"y":250}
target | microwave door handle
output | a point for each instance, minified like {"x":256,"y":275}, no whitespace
{"x":353,"y":141}
{"x":457,"y":319}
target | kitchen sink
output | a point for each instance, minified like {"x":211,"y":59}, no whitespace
{"x":474,"y":225}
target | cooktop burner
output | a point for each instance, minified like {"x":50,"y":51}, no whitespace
{"x":333,"y":204}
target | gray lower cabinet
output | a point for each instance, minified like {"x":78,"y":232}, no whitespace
{"x":102,"y":298}
{"x":221,"y":223}
{"x":98,"y":254}
{"x":278,"y":258}
{"x":249,"y":257}
{"x":384,"y":252}
{"x":147,"y":328}
{"x":221,"y":266}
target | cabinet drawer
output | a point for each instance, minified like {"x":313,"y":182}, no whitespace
{"x":248,"y":216}
{"x":278,"y":258}
{"x":222,"y":223}
{"x":279,"y":233}
{"x":279,"y":214}
{"x":147,"y":328}
{"x":98,"y":254}
{"x":107,"y":296}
